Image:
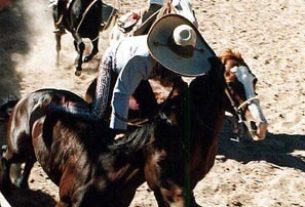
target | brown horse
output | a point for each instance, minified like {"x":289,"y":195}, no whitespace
{"x":242,"y":100}
{"x":81,"y":157}
{"x":210,"y":96}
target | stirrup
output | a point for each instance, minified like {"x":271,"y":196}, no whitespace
{"x":59,"y":31}
{"x":119,"y":136}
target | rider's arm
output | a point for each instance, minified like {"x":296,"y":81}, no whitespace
{"x":103,"y":84}
{"x":138,"y":68}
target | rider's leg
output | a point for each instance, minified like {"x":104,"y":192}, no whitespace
{"x":151,"y":10}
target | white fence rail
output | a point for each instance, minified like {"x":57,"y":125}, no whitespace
{"x":3,"y":201}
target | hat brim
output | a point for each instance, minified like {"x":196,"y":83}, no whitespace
{"x":157,"y":40}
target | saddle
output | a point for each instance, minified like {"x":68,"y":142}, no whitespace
{"x":107,"y":13}
{"x":131,"y":22}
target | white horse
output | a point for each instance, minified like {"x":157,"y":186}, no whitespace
{"x":128,"y":23}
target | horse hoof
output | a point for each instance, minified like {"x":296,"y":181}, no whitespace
{"x":3,"y":149}
{"x":78,"y":72}
{"x":5,"y":182}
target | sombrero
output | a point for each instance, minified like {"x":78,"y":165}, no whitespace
{"x":177,"y":45}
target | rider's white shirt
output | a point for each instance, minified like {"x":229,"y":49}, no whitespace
{"x":131,"y":60}
{"x":160,"y":2}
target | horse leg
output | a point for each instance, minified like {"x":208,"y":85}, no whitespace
{"x":5,"y":181}
{"x":6,"y":162}
{"x":75,"y":46}
{"x":58,"y":46}
{"x":94,"y":50}
{"x":22,"y":182}
{"x":160,"y":199}
{"x":15,"y":172}
{"x":80,"y":47}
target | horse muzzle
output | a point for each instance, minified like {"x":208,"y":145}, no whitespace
{"x":256,"y":130}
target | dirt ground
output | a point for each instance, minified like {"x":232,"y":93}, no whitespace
{"x":269,"y":33}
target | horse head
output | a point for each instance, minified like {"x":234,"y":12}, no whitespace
{"x":241,"y":94}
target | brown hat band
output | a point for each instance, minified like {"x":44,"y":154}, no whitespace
{"x":184,"y":51}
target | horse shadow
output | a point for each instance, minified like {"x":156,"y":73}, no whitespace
{"x":14,"y":42}
{"x":30,"y":198}
{"x":278,"y":149}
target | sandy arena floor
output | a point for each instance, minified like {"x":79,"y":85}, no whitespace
{"x":269,"y":33}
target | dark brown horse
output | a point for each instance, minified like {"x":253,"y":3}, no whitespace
{"x":221,"y":89}
{"x":81,"y":157}
{"x":199,"y":117}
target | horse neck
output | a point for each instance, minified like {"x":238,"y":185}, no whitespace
{"x":208,"y":97}
{"x":134,"y":145}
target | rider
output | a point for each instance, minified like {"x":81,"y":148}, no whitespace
{"x":173,"y":41}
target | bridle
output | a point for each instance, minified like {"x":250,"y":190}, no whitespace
{"x":238,"y":108}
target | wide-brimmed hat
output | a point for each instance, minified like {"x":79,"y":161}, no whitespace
{"x":177,"y":45}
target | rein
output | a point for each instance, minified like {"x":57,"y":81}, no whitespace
{"x":59,"y":20}
{"x":247,"y":102}
{"x":236,"y":108}
{"x":138,"y":123}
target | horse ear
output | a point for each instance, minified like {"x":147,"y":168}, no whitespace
{"x":237,"y":54}
{"x":224,"y":56}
